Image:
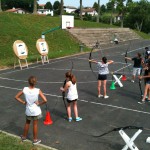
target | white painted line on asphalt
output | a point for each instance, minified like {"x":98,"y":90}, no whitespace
{"x":95,"y":103}
{"x":136,"y":49}
{"x":122,"y":68}
{"x":29,"y":68}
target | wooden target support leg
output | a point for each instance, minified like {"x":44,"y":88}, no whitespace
{"x":44,"y":59}
{"x":20,"y":65}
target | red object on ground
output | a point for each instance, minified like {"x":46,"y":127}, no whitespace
{"x":48,"y":119}
{"x":123,"y":78}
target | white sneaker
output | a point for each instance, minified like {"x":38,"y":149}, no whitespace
{"x":100,"y":96}
{"x":132,"y":81}
{"x":106,"y":96}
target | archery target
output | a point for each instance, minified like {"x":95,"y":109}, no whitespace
{"x":20,"y":49}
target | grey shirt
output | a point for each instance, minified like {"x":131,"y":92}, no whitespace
{"x":102,"y":68}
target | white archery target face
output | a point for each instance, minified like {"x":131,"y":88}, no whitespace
{"x":43,"y":47}
{"x":21,"y":49}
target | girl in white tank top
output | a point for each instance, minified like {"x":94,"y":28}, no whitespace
{"x":72,"y":95}
{"x":32,"y":104}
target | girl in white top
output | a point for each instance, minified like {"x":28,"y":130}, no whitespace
{"x":72,"y":95}
{"x":33,"y":110}
{"x":102,"y":75}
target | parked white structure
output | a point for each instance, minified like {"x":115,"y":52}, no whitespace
{"x":90,"y":11}
{"x":17,"y":10}
{"x":69,"y":9}
{"x":45,"y":12}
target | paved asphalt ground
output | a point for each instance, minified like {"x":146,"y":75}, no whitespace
{"x":99,"y":115}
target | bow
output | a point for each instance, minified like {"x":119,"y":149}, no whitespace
{"x":120,"y":128}
{"x":63,"y":93}
{"x":140,"y":81}
{"x":126,"y":54}
{"x":90,"y":57}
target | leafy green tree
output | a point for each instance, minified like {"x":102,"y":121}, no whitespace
{"x":139,"y":16}
{"x":95,"y":5}
{"x":49,"y":6}
{"x":103,"y":8}
{"x":121,"y":9}
{"x":24,"y":4}
{"x":111,"y":8}
{"x":56,"y":8}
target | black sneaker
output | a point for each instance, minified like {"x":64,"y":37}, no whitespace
{"x":36,"y":141}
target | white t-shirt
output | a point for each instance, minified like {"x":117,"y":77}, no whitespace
{"x":102,"y":68}
{"x":72,"y":93}
{"x":31,"y":96}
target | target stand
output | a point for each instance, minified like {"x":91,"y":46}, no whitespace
{"x":43,"y":49}
{"x":129,"y":141}
{"x":21,"y":52}
{"x":117,"y":79}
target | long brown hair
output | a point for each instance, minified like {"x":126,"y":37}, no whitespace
{"x":71,"y":77}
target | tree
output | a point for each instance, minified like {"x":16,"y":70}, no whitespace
{"x":35,"y":7}
{"x":139,"y":16}
{"x":110,"y":6}
{"x":121,"y":9}
{"x":56,"y":7}
{"x":62,"y":7}
{"x":103,"y":8}
{"x":98,"y":16}
{"x":24,"y":4}
{"x":49,"y":6}
{"x":0,"y":6}
{"x":81,"y":10}
{"x":95,"y":5}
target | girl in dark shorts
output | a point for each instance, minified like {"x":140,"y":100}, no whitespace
{"x":146,"y":78}
{"x":72,"y":95}
{"x":102,"y":75}
{"x":33,"y":110}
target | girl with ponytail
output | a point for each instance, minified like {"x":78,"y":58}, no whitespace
{"x":72,"y":95}
{"x":102,"y":75}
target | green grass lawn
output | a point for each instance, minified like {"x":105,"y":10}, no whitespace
{"x":28,"y":28}
{"x":8,"y":142}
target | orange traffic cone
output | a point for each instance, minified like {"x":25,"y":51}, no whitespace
{"x":48,"y":119}
{"x":123,"y":78}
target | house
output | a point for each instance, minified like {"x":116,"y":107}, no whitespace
{"x":69,"y":9}
{"x":17,"y":10}
{"x":89,"y":11}
{"x":45,"y":12}
{"x":42,"y":6}
{"x":117,"y":18}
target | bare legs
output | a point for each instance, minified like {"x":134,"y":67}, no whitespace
{"x":146,"y":91}
{"x":26,"y":128}
{"x":104,"y":87}
{"x":74,"y":108}
{"x":35,"y":129}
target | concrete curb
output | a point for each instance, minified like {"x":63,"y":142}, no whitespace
{"x":18,"y":137}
